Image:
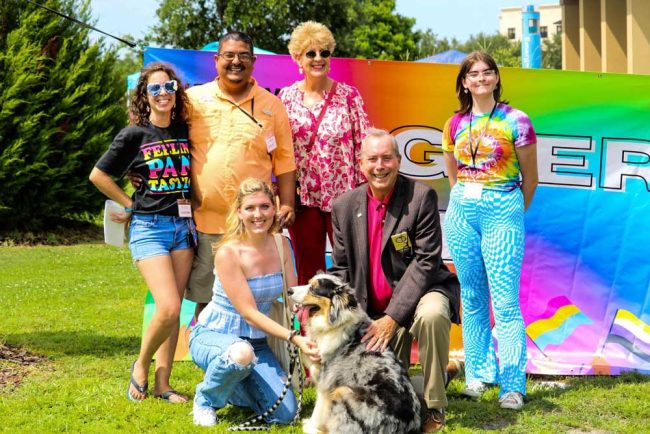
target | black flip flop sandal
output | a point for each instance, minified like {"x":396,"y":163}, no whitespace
{"x":142,"y":389}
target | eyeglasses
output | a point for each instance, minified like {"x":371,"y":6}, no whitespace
{"x":311,"y":54}
{"x":170,"y":87}
{"x":230,"y":56}
{"x":487,"y":73}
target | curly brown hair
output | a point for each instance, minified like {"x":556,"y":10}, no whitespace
{"x":140,"y":104}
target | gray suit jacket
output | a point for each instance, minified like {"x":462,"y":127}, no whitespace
{"x":412,"y":272}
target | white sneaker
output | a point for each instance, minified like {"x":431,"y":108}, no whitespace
{"x":512,"y":401}
{"x":204,"y":416}
{"x":475,"y":389}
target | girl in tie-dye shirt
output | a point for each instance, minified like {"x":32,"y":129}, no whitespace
{"x":490,"y":155}
{"x":495,"y":163}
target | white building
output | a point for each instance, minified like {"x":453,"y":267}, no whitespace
{"x":550,"y":21}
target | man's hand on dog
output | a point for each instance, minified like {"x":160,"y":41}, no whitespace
{"x":379,"y":334}
{"x":308,"y":347}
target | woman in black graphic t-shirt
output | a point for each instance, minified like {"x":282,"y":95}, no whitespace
{"x":161,"y":229}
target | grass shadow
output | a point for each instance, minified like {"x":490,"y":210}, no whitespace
{"x":606,"y":381}
{"x":74,"y":343}
{"x":542,"y":394}
{"x":486,"y":414}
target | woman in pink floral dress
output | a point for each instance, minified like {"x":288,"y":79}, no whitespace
{"x":328,"y":121}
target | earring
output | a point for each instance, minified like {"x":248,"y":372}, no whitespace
{"x":174,"y":112}
{"x":300,"y":71}
{"x":465,"y":90}
{"x":148,"y":109}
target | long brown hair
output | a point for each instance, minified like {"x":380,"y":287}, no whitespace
{"x":140,"y":104}
{"x":234,"y":226}
{"x":465,"y":98}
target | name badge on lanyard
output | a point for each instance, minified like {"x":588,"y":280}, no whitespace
{"x":271,"y":144}
{"x":184,"y":208}
{"x":473,"y":190}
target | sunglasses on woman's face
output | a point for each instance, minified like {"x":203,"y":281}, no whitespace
{"x":170,"y":87}
{"x":311,"y":54}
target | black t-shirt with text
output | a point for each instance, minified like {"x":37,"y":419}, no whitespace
{"x":161,"y":157}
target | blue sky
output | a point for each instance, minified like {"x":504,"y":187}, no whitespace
{"x":447,"y":18}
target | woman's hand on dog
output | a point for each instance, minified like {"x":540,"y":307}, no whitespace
{"x":308,"y":347}
{"x":379,"y":333}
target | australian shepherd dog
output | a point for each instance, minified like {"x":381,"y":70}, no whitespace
{"x":357,"y":391}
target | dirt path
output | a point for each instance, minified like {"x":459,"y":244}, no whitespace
{"x":15,"y":364}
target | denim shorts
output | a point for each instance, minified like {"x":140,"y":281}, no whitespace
{"x":156,"y":235}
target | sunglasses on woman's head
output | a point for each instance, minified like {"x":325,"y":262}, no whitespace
{"x":311,"y":54}
{"x":170,"y":87}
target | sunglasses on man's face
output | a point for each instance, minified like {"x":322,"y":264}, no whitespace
{"x":311,"y":54}
{"x":170,"y":87}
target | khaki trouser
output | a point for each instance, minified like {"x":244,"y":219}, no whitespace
{"x":431,"y":329}
{"x":199,"y":286}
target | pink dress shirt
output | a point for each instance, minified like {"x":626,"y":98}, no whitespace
{"x":379,"y":290}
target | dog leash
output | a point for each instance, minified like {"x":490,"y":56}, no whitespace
{"x":294,"y":362}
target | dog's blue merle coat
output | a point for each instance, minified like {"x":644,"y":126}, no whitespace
{"x":358,"y":391}
{"x":383,"y":398}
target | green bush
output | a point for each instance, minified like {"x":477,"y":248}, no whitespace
{"x":61,"y":103}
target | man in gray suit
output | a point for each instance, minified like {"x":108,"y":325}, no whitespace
{"x":387,"y":244}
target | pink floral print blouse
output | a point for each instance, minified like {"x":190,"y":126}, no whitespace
{"x":330,"y":167}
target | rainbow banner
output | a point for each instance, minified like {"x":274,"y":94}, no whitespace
{"x":185,"y":325}
{"x":588,"y":236}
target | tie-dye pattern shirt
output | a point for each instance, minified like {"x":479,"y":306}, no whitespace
{"x":496,"y":165}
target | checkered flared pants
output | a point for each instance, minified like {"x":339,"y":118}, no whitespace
{"x":486,"y":240}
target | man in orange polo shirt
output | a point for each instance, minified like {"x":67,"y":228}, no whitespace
{"x":237,"y":130}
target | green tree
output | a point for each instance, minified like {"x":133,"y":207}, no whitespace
{"x":362,"y":28}
{"x":61,"y":103}
{"x":375,"y":31}
{"x":552,"y":53}
{"x":429,"y":43}
{"x":504,"y":52}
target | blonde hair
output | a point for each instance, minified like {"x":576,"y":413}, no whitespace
{"x":310,"y":33}
{"x":234,"y":226}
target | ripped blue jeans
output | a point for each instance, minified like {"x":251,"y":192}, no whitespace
{"x":255,"y":386}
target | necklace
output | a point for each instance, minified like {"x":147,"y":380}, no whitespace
{"x":474,"y":151}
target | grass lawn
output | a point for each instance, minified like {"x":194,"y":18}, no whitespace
{"x":81,"y":307}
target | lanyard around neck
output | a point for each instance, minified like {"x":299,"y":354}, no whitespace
{"x":251,"y":116}
{"x":474,"y":151}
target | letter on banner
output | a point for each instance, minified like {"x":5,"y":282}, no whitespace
{"x":624,"y":160}
{"x":421,"y":150}
{"x":564,"y":160}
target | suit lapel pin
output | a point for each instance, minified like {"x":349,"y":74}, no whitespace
{"x":360,"y":214}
